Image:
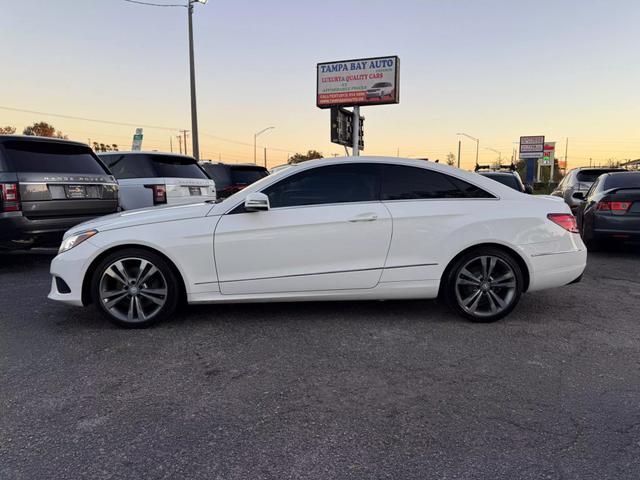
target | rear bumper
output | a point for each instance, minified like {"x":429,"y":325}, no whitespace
{"x":607,"y":226}
{"x":18,"y":231}
{"x":557,"y":269}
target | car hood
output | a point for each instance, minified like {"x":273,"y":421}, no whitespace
{"x":144,"y":216}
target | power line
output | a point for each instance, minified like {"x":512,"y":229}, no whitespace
{"x":135,"y":125}
{"x":150,"y":4}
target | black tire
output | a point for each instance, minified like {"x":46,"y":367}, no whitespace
{"x":141,"y":296}
{"x":489,"y":291}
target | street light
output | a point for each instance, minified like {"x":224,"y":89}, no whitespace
{"x":255,"y":136}
{"x":192,"y":75}
{"x":475,"y":140}
{"x":498,"y":152}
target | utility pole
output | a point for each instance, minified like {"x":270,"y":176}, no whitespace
{"x":184,"y":136}
{"x":459,"y":146}
{"x":179,"y":137}
{"x":171,"y":144}
{"x":566,"y":147}
{"x":192,"y":75}
{"x":265,"y":157}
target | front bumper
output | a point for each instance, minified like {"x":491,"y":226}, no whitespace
{"x":71,"y":267}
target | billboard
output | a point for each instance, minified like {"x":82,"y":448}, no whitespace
{"x":532,"y":146}
{"x":137,"y":140}
{"x":366,"y":81}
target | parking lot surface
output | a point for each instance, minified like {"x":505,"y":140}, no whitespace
{"x":396,"y":390}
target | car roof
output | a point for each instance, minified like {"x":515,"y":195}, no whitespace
{"x":243,"y":165}
{"x":497,"y":172}
{"x":491,"y":186}
{"x":143,"y":152}
{"x":34,"y":138}
{"x":626,"y":172}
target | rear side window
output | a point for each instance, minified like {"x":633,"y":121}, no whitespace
{"x":150,"y":166}
{"x":323,"y":185}
{"x":51,"y":157}
{"x":401,"y":182}
{"x":623,"y":180}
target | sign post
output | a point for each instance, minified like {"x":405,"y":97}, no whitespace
{"x":137,"y":140}
{"x":354,"y":83}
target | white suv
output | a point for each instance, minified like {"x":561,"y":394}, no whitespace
{"x":153,"y":178}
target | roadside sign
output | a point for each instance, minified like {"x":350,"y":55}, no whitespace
{"x":137,"y":140}
{"x":366,"y":81}
{"x":548,"y":155}
{"x":532,"y":146}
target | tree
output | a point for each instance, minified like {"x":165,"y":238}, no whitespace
{"x":105,"y":147}
{"x":8,"y":130}
{"x":303,"y":157}
{"x":451,"y":159}
{"x":43,"y":129}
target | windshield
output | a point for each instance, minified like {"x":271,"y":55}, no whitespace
{"x":51,"y":157}
{"x":246,"y":176}
{"x":623,"y":180}
{"x":140,"y":165}
{"x":589,"y":176}
{"x":508,"y":180}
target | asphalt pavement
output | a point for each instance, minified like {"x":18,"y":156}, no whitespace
{"x":358,"y":390}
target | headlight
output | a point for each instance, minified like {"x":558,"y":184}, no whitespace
{"x":70,"y":242}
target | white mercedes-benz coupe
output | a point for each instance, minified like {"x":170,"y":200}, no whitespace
{"x":355,"y":228}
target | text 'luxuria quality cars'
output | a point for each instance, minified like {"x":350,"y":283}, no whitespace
{"x":340,"y":229}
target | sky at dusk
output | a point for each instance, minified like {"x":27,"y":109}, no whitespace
{"x":493,"y":69}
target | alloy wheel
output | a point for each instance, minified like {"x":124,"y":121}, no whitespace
{"x":485,"y":286}
{"x":133,"y":289}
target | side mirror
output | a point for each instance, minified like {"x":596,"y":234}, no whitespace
{"x":528,"y":189}
{"x":578,"y":196}
{"x":256,"y":202}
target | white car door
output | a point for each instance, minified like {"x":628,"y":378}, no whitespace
{"x":325,"y":230}
{"x":428,"y":209}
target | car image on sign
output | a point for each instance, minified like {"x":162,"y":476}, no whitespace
{"x":380,"y":90}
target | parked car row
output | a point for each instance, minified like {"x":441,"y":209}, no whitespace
{"x":49,"y":185}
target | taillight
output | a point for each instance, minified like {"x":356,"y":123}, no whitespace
{"x":10,"y":197}
{"x":565,"y":220}
{"x":613,"y":207}
{"x":159,"y":193}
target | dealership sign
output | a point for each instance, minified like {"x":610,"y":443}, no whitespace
{"x":367,"y":81}
{"x":532,"y":146}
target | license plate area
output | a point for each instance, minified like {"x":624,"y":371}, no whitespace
{"x":194,"y":191}
{"x":76,"y":191}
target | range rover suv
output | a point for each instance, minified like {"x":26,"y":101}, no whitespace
{"x":156,"y":178}
{"x":46,"y":187}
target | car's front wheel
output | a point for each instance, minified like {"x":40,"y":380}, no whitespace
{"x":135,"y":288}
{"x":484,"y":285}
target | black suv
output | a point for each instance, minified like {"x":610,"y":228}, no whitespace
{"x":506,"y":175}
{"x":46,"y":187}
{"x":233,"y":178}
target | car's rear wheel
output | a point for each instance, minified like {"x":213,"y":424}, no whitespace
{"x":484,"y":285}
{"x":135,"y":288}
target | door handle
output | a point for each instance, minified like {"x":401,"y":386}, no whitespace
{"x":364,"y":218}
